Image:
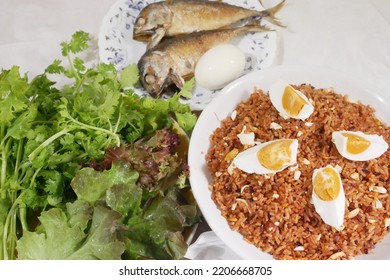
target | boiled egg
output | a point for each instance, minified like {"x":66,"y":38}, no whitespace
{"x":358,"y":146}
{"x":268,"y":157}
{"x":328,"y":195}
{"x":219,"y":66}
{"x":289,"y":102}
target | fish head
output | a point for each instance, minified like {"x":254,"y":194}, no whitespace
{"x":156,"y":71}
{"x":153,"y":17}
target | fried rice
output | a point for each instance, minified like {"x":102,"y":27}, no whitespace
{"x":275,"y":212}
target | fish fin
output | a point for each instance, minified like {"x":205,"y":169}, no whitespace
{"x":269,"y":14}
{"x":176,"y":79}
{"x":156,"y":37}
{"x":257,"y":27}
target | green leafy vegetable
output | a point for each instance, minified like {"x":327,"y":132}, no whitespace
{"x":78,"y":43}
{"x":129,"y":76}
{"x":90,"y":185}
{"x":67,"y":234}
{"x":48,"y":136}
{"x":186,"y":91}
{"x":157,"y":232}
{"x":145,"y":183}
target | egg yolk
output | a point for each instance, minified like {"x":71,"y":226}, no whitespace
{"x":292,"y":101}
{"x":275,"y":155}
{"x":327,"y":184}
{"x":356,"y":144}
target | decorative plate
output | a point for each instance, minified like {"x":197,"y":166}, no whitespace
{"x":116,"y":44}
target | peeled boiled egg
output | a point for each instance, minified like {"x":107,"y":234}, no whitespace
{"x":219,"y":66}
{"x":328,"y":195}
{"x":269,"y":157}
{"x":289,"y":102}
{"x":358,"y":146}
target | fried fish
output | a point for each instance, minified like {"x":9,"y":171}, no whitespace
{"x":171,"y":18}
{"x":174,"y":59}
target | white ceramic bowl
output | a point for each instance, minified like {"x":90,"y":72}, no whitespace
{"x":240,"y":90}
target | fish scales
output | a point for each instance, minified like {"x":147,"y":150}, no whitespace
{"x":162,"y":19}
{"x":174,"y":59}
{"x":190,"y":16}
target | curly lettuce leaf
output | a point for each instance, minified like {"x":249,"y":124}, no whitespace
{"x":116,"y":186}
{"x":125,"y":199}
{"x":91,"y":185}
{"x":67,"y":235}
{"x":158,"y":232}
{"x":155,"y":205}
{"x":102,"y":242}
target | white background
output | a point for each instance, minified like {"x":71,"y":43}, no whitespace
{"x":352,"y":36}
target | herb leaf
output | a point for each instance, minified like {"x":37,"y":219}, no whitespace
{"x":129,"y":76}
{"x":78,"y":43}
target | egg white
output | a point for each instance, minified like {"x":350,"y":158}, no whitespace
{"x":332,"y":211}
{"x":219,"y":66}
{"x":377,"y":148}
{"x":276,"y":94}
{"x":247,"y":160}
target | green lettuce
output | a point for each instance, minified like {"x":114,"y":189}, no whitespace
{"x":155,"y":215}
{"x":157,"y":232}
{"x":79,"y":232}
{"x":90,"y":185}
{"x":49,"y":135}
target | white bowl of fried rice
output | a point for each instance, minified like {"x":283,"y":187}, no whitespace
{"x":272,"y":217}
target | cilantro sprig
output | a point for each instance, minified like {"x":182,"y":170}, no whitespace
{"x":47,"y":133}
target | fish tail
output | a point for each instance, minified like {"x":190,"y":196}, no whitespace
{"x":269,"y":14}
{"x":256,"y":27}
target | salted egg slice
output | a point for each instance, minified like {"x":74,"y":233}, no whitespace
{"x":358,"y":146}
{"x":289,"y":102}
{"x":268,"y":157}
{"x":328,"y":195}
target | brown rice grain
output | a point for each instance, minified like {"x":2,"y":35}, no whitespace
{"x":278,"y":215}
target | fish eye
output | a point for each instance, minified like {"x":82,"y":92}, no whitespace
{"x":141,"y":21}
{"x":150,"y":79}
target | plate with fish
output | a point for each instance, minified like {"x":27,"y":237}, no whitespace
{"x":138,"y":32}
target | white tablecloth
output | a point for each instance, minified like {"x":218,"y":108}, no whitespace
{"x":350,"y":36}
